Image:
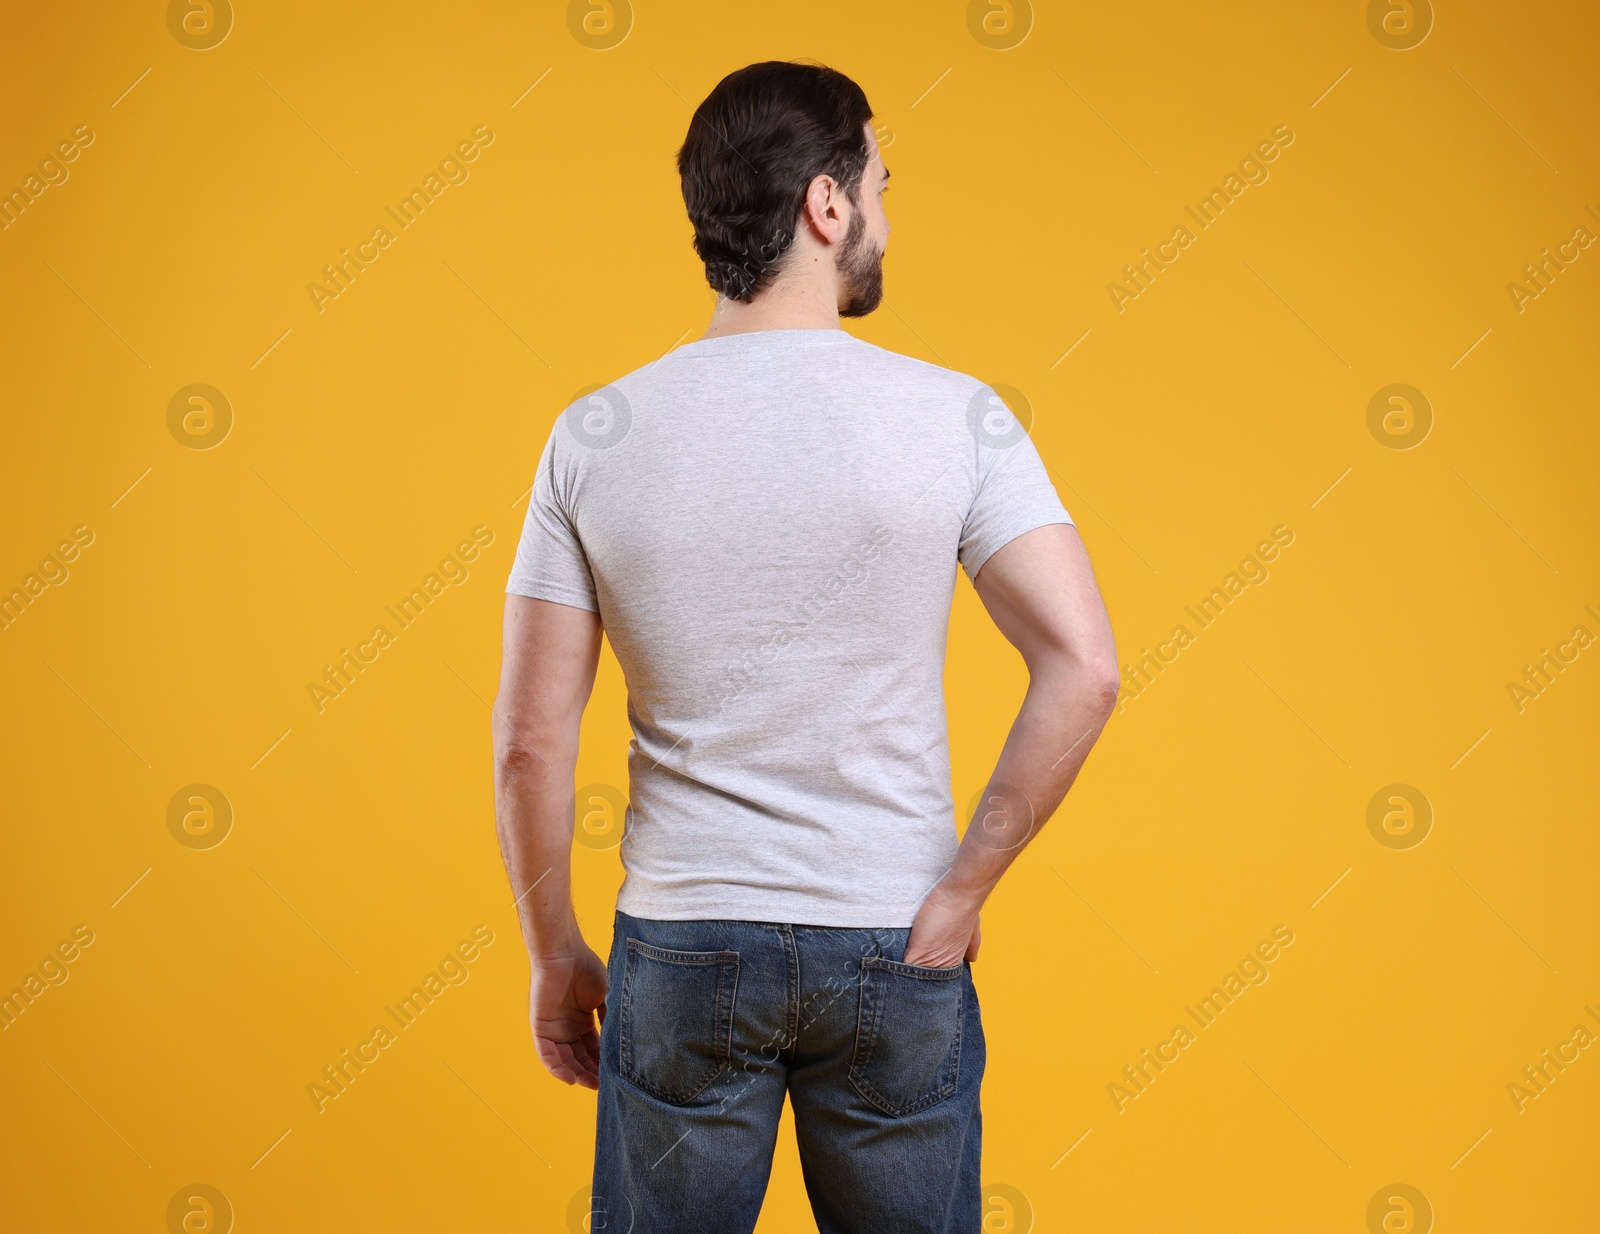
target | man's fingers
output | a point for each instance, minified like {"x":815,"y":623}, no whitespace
{"x":569,"y":1049}
{"x":550,"y":1055}
{"x":589,"y":1056}
{"x":944,"y":956}
{"x":570,"y":1062}
{"x":585,"y":1050}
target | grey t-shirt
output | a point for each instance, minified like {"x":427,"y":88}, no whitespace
{"x":769,"y":526}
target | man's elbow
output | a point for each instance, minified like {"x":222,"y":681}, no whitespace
{"x":522,"y":750}
{"x":1108,"y":687}
{"x":1101,"y":681}
{"x":1087,"y":671}
{"x":519,"y":762}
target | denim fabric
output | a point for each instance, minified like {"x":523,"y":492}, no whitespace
{"x":709,"y":1023}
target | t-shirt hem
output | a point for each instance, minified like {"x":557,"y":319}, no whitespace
{"x":553,"y":592}
{"x":990,"y":545}
{"x":866,"y":915}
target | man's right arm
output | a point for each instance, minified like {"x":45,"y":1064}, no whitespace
{"x":1041,"y":593}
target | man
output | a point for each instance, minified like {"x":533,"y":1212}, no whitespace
{"x":767,"y":523}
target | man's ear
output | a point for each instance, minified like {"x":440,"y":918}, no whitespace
{"x":822,"y":208}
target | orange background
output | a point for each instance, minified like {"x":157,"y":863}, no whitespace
{"x":368,"y":439}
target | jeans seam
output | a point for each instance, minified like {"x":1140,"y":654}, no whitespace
{"x":725,"y":1006}
{"x":792,"y":973}
{"x":625,"y":1036}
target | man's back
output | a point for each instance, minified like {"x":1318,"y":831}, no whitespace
{"x":769,"y":524}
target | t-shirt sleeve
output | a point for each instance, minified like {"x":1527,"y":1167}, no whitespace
{"x":550,"y":562}
{"x":1014,"y":493}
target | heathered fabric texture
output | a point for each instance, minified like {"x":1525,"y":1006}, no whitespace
{"x":769,"y":526}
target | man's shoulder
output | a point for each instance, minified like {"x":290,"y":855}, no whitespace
{"x":929,"y":393}
{"x":934,"y":378}
{"x":920,"y":378}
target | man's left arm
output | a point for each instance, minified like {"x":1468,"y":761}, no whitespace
{"x":550,"y":655}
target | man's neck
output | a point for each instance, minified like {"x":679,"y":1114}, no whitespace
{"x":788,"y":304}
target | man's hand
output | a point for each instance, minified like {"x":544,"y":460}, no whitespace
{"x":945,"y":931}
{"x":566,"y":992}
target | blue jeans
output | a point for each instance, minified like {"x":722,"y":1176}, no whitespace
{"x":709,"y":1023}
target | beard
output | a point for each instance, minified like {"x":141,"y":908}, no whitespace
{"x":860,"y":271}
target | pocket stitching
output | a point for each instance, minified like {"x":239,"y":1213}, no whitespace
{"x":919,"y":971}
{"x":858,"y":1063}
{"x":688,"y":959}
{"x":722,"y":1028}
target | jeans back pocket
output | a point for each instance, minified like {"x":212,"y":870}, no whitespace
{"x":908,"y":1034}
{"x":677,"y":1019}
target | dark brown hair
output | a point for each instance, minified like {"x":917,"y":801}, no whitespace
{"x":753,"y":147}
